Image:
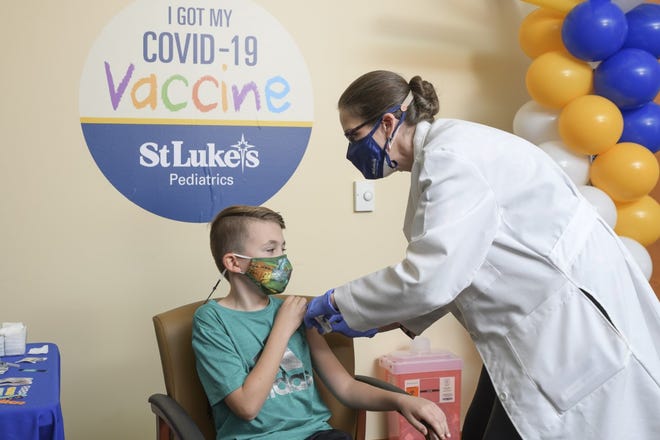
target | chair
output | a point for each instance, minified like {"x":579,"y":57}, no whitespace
{"x":184,"y":412}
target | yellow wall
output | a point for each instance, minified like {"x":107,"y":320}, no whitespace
{"x":85,"y":268}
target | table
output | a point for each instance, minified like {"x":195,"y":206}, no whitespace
{"x":40,"y":417}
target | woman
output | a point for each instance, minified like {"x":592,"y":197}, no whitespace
{"x":499,"y":236}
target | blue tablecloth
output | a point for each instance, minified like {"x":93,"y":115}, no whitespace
{"x":40,"y":418}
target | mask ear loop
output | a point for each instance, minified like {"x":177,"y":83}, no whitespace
{"x":403,"y":107}
{"x":216,"y":285}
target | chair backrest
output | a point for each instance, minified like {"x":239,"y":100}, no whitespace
{"x":174,"y":337}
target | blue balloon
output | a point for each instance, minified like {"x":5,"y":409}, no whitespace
{"x":642,"y":126}
{"x":630,"y":78}
{"x":594,"y":30}
{"x":644,"y":28}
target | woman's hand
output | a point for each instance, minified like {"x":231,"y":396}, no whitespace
{"x":425,"y":416}
{"x":339,"y":325}
{"x":290,"y":315}
{"x":320,"y":308}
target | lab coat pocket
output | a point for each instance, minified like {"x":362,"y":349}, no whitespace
{"x":568,"y":348}
{"x":484,"y":278}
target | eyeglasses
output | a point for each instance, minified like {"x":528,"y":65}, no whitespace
{"x":350,"y":133}
{"x":398,"y":111}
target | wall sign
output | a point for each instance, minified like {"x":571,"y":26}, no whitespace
{"x":188,"y":107}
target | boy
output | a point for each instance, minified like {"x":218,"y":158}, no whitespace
{"x":254,"y":358}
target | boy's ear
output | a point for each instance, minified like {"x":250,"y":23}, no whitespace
{"x":231,"y":262}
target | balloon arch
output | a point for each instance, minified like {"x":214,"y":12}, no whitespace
{"x":594,"y":80}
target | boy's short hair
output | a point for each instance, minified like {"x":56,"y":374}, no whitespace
{"x":229,"y":228}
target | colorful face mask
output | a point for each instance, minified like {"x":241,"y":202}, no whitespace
{"x":271,"y":274}
{"x":369,"y":157}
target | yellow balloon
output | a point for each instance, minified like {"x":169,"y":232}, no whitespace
{"x":558,"y":5}
{"x":639,"y":220}
{"x":540,"y":32}
{"x":590,"y":124}
{"x":555,"y":78}
{"x":625,"y":172}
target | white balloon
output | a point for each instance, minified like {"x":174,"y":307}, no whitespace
{"x":575,"y":165}
{"x":536,"y":123}
{"x":627,"y":5}
{"x":602,"y":202}
{"x":640,"y":254}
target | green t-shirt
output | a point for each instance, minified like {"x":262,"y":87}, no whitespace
{"x":227,"y":344}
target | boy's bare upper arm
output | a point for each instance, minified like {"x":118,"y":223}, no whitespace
{"x":326,"y":364}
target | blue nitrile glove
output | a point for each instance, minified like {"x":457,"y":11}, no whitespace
{"x":339,"y":325}
{"x":319,"y":310}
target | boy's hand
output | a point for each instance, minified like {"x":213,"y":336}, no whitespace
{"x":290,"y":315}
{"x":426,"y":417}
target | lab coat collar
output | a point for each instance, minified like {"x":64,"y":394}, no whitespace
{"x":419,"y":139}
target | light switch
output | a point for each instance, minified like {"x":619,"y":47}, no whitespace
{"x":365,"y":195}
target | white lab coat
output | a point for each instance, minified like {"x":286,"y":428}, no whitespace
{"x":499,"y":236}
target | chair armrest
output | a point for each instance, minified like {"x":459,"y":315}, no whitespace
{"x":379,"y":384}
{"x":169,"y":412}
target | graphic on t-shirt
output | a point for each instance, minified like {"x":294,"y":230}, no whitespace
{"x":292,"y":377}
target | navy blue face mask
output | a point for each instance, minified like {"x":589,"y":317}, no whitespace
{"x":369,"y":157}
